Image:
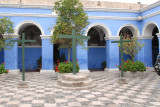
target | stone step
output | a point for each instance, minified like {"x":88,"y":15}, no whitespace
{"x":72,"y":77}
{"x":74,"y":83}
{"x":75,"y":88}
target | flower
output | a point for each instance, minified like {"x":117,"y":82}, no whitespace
{"x":124,"y":66}
{"x":3,"y":63}
{"x":132,"y":62}
{"x":57,"y":60}
{"x":58,"y":63}
{"x":127,"y":61}
{"x":116,"y":65}
{"x":77,"y":60}
{"x":7,"y":70}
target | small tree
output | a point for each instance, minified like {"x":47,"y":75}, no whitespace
{"x":6,"y":27}
{"x":70,"y":15}
{"x":132,"y":48}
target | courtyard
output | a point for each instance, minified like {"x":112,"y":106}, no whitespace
{"x":139,"y":92}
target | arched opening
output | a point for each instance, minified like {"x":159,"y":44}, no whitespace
{"x":97,"y":48}
{"x":33,"y":51}
{"x":155,"y":45}
{"x":150,"y":30}
{"x":127,"y":32}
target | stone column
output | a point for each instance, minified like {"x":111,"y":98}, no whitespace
{"x":112,"y":54}
{"x":82,"y":56}
{"x":148,"y":51}
{"x":11,"y":57}
{"x":47,"y":56}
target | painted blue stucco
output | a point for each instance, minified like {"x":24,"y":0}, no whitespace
{"x":47,"y":55}
{"x":1,"y":56}
{"x":31,"y":57}
{"x":11,"y":57}
{"x":65,"y":51}
{"x":24,"y":10}
{"x":87,"y":58}
{"x":96,"y":56}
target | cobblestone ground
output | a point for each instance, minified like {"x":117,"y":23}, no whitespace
{"x":139,"y":92}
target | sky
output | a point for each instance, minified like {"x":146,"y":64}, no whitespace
{"x":131,"y":1}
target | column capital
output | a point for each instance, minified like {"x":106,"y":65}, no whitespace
{"x":45,"y":36}
{"x":112,"y":38}
{"x":158,"y":35}
{"x":12,"y":35}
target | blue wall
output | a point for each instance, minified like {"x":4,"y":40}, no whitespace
{"x":31,"y":57}
{"x":1,"y":56}
{"x":96,"y":56}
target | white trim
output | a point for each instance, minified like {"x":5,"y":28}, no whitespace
{"x":13,"y":35}
{"x":96,"y":46}
{"x":132,"y":27}
{"x":144,"y":37}
{"x":112,"y":38}
{"x":113,"y":17}
{"x":30,"y":46}
{"x":27,"y":22}
{"x":150,"y":6}
{"x":148,"y":24}
{"x":151,"y":15}
{"x":105,"y":29}
{"x":14,"y":72}
{"x":45,"y":36}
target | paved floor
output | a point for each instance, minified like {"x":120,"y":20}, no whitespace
{"x":139,"y":92}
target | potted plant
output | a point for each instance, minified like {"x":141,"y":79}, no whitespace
{"x":39,"y":63}
{"x":104,"y":64}
{"x":3,"y":72}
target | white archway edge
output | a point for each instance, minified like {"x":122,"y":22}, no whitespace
{"x":102,"y":26}
{"x":148,"y":28}
{"x":131,"y":27}
{"x":25,"y":23}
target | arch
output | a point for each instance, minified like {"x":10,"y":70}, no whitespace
{"x":148,"y":28}
{"x":105,"y":29}
{"x":27,"y":23}
{"x":132,"y":27}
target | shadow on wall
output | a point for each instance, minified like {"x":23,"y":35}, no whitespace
{"x":1,"y":56}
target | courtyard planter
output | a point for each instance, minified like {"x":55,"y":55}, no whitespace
{"x":3,"y":76}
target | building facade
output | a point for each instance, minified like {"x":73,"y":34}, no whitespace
{"x":105,"y":26}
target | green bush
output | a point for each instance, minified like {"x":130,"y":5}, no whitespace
{"x":104,"y":64}
{"x":129,"y":65}
{"x":2,"y":69}
{"x":67,"y":67}
{"x":39,"y":62}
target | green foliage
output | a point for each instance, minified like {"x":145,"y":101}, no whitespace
{"x":129,"y":65}
{"x":67,"y":67}
{"x":132,"y":48}
{"x":6,"y":27}
{"x":70,"y":15}
{"x":62,"y":58}
{"x":2,"y":69}
{"x":104,"y":64}
{"x":39,"y":62}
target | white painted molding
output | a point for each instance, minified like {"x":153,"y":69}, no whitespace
{"x":112,"y":38}
{"x":151,"y":15}
{"x":14,"y":72}
{"x":150,"y":6}
{"x":45,"y":36}
{"x":102,"y":26}
{"x":13,"y":36}
{"x":135,"y":31}
{"x":30,"y":46}
{"x":113,"y":17}
{"x":147,"y":37}
{"x":26,"y":23}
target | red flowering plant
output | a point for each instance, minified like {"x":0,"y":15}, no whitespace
{"x":132,"y":66}
{"x":66,"y":67}
{"x":2,"y":69}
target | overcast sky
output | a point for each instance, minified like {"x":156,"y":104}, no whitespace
{"x":131,"y":1}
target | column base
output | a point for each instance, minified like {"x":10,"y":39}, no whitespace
{"x":50,"y":73}
{"x":14,"y":72}
{"x":84,"y":71}
{"x":112,"y":70}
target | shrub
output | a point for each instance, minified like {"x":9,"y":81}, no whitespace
{"x":62,"y":57}
{"x":39,"y":62}
{"x":2,"y":69}
{"x":129,"y":65}
{"x":104,"y":64}
{"x":66,"y":67}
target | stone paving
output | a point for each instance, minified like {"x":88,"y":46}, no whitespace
{"x":139,"y":92}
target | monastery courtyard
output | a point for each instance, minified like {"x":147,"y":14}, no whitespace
{"x":139,"y":92}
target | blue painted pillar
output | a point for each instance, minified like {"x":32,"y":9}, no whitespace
{"x":112,"y":53}
{"x":82,"y":56}
{"x":47,"y":55}
{"x":11,"y":58}
{"x":141,"y":52}
{"x":148,"y":51}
